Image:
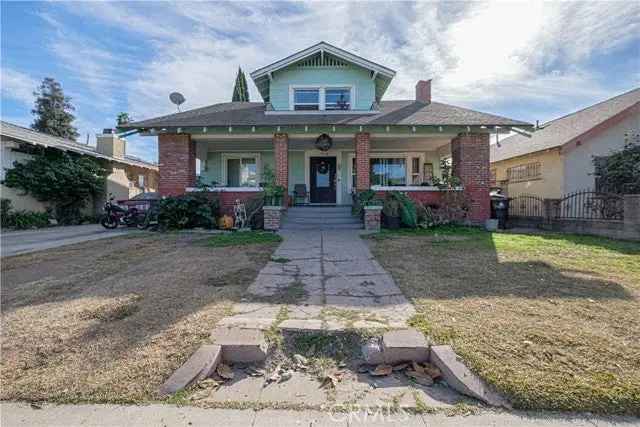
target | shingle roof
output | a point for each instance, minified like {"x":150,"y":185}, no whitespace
{"x":29,"y":136}
{"x":391,"y":113}
{"x":564,"y":129}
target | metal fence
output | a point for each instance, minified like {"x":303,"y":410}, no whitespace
{"x":591,"y":205}
{"x":526,"y":205}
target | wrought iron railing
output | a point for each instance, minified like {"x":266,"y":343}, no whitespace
{"x":526,"y":205}
{"x":591,"y":205}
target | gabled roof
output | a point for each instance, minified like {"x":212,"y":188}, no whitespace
{"x":563,"y":130}
{"x":408,"y":112}
{"x":382,"y":75}
{"x":23,"y":135}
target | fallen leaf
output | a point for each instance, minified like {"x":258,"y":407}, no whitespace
{"x":285,"y":376}
{"x":400,"y":367}
{"x":420,"y":377}
{"x":433,"y":371}
{"x":208,"y":383}
{"x":416,"y":367}
{"x":363,"y":369}
{"x":224,"y":371}
{"x":200,"y":394}
{"x":330,"y":381}
{"x":381,"y":370}
{"x":300,"y":359}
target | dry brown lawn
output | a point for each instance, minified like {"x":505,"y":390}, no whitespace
{"x":553,"y":321}
{"x":109,"y":320}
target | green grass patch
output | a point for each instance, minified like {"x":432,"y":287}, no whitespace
{"x":243,"y":238}
{"x":551,"y":320}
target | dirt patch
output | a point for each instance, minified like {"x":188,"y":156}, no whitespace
{"x":109,"y":321}
{"x":551,"y":320}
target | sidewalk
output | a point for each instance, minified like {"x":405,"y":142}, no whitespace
{"x":22,"y":414}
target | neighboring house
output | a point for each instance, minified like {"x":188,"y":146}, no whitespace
{"x":325,"y":124}
{"x":130,"y":176}
{"x":558,"y":158}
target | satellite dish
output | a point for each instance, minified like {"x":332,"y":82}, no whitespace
{"x":177,"y":98}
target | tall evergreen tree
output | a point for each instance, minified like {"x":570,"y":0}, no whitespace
{"x":53,"y":111}
{"x":240,"y":90}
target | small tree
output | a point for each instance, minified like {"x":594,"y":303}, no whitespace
{"x":53,"y":111}
{"x":240,"y":90}
{"x":620,"y":172}
{"x":123,"y":118}
{"x":66,"y":180}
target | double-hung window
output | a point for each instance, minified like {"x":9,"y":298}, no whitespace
{"x":306,"y":99}
{"x":388,"y":171}
{"x":242,"y":171}
{"x":337,"y":99}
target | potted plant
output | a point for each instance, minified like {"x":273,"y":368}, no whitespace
{"x":391,"y":212}
{"x":273,"y":193}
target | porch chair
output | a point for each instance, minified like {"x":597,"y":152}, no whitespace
{"x":300,"y":192}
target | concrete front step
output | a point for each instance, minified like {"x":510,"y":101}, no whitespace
{"x":314,"y":214}
{"x":294,"y":226}
{"x":322,"y":209}
{"x":341,"y":220}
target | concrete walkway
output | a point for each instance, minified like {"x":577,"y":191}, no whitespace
{"x":326,"y":280}
{"x":21,"y":242}
{"x":22,"y":414}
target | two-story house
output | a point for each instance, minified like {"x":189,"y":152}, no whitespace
{"x":324,"y":124}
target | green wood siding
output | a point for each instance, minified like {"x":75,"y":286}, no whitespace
{"x":350,"y":75}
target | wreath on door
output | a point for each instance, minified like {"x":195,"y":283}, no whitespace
{"x":324,"y":142}
{"x":323,"y":168}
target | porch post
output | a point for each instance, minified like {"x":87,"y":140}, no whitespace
{"x":470,"y":163}
{"x":281,"y":155}
{"x":177,"y":163}
{"x":362,"y":144}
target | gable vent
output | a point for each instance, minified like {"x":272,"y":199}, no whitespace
{"x":319,"y":60}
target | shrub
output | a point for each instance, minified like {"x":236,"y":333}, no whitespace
{"x":21,"y":220}
{"x":255,"y":214}
{"x":620,"y":172}
{"x":362,"y":199}
{"x":187,"y":211}
{"x":399,"y":204}
{"x":453,"y":209}
{"x":66,"y":180}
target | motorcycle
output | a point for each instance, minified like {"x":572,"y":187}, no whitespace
{"x":115,"y":215}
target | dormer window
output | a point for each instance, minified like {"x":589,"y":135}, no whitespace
{"x":306,"y":99}
{"x":337,"y":99}
{"x":320,"y":97}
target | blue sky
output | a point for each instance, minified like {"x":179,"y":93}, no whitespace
{"x":525,"y":60}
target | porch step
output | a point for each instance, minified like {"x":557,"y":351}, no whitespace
{"x":302,"y":226}
{"x":320,"y":218}
{"x":323,"y":220}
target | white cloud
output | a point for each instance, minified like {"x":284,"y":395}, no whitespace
{"x":480,"y":55}
{"x":18,"y":86}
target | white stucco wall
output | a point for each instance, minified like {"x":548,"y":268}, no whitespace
{"x":578,"y":159}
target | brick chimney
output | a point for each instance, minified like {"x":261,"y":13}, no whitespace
{"x":111,"y":145}
{"x":423,"y":91}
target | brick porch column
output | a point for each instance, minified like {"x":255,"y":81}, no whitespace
{"x":281,"y":155}
{"x":362,"y":143}
{"x":177,"y":163}
{"x":470,"y":163}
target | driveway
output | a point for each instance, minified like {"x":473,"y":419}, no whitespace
{"x":21,"y":242}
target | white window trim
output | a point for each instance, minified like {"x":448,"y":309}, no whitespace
{"x":321,"y":88}
{"x":381,"y":155}
{"x":227,"y":156}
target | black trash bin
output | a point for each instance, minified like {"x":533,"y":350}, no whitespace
{"x":502,"y":212}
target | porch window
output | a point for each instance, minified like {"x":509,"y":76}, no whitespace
{"x":388,"y":171}
{"x":306,"y":99}
{"x":242,"y":172}
{"x":337,"y":99}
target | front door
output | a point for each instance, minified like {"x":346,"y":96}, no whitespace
{"x":323,"y":179}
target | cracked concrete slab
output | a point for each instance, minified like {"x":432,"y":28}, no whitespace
{"x":325,"y":271}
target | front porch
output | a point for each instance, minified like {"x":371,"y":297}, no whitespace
{"x":235,"y":165}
